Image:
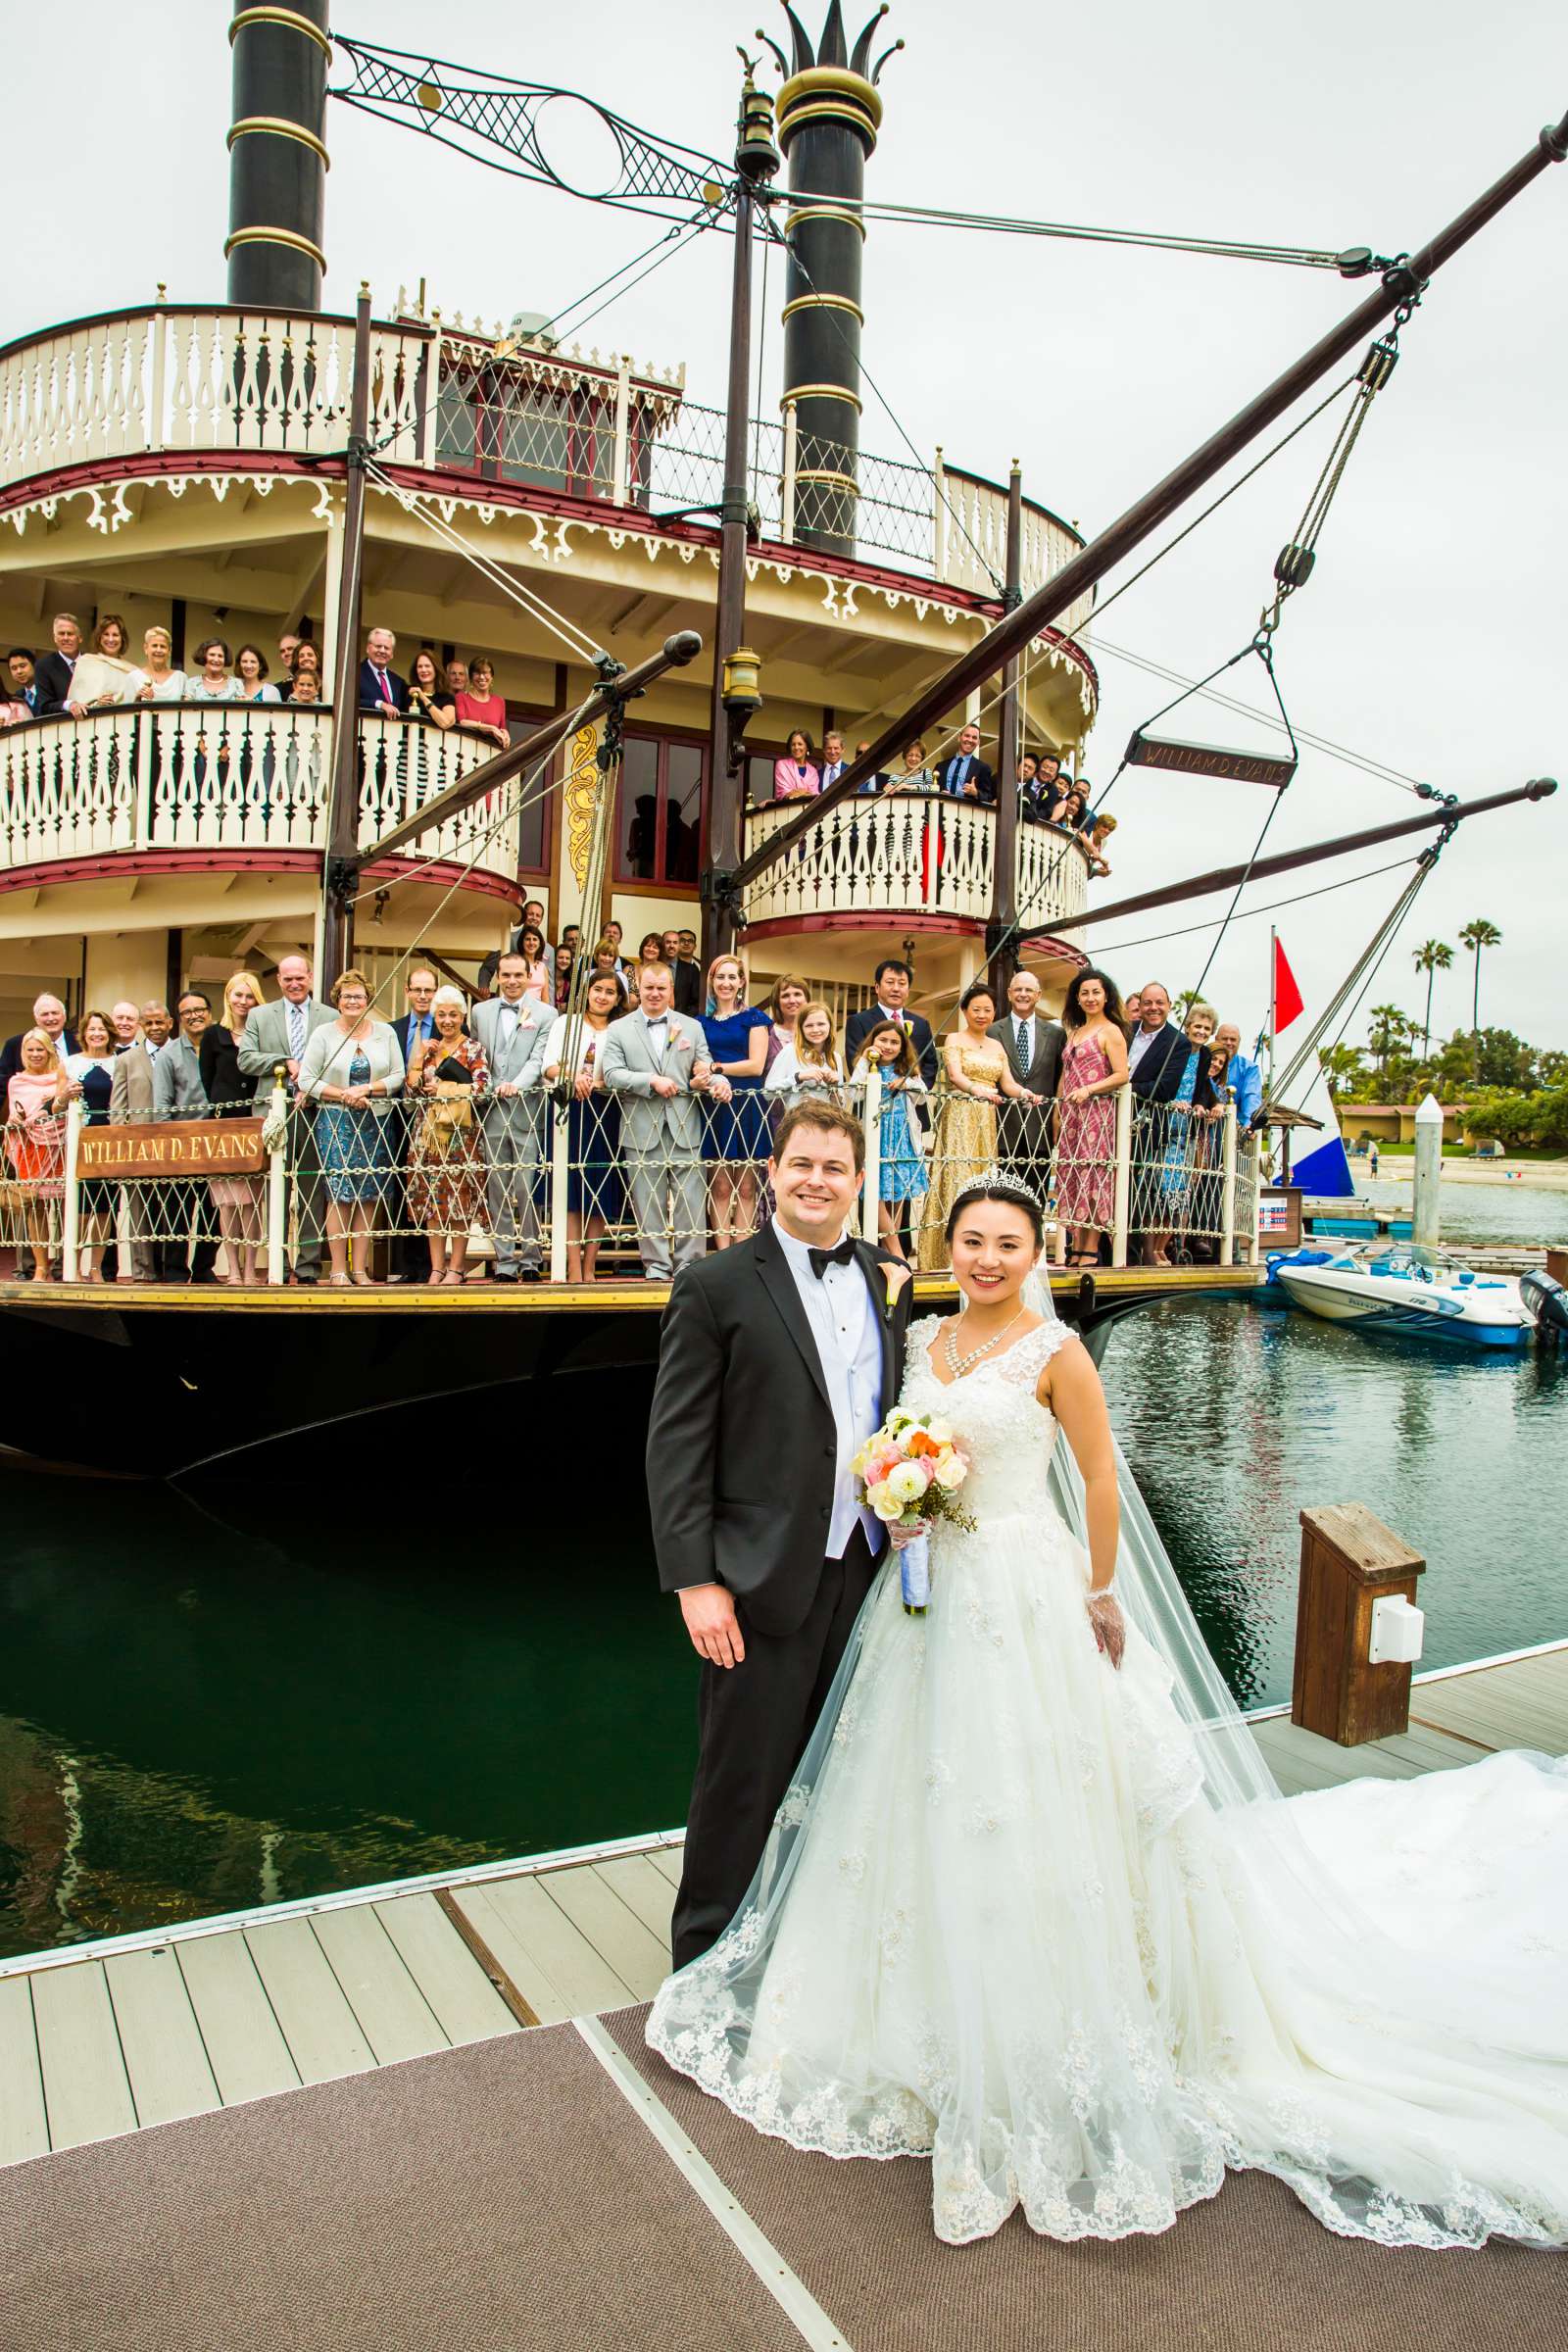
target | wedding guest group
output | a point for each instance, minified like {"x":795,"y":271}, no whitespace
{"x":421,"y":1146}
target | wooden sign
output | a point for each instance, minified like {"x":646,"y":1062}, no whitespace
{"x":166,"y":1147}
{"x":1209,"y":760}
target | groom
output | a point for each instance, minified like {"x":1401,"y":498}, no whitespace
{"x":779,"y":1357}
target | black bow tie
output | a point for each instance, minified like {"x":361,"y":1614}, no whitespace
{"x":821,"y":1259}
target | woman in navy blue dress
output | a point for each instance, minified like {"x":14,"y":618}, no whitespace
{"x":735,"y":1144}
{"x":596,"y":1195}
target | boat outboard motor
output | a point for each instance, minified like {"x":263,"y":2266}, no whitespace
{"x":1548,"y":1301}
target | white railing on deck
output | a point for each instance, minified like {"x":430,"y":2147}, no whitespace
{"x":184,"y":380}
{"x":177,"y":378}
{"x":907,"y":852}
{"x":225,"y":776}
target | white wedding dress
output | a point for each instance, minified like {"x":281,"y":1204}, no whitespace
{"x":1014,"y":1918}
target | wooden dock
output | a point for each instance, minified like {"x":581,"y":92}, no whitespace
{"x":105,"y":2039}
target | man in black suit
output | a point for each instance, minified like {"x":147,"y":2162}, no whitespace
{"x":1033,"y":1046}
{"x":688,"y":978}
{"x":799,"y":1328}
{"x":893,"y":984}
{"x":22,"y":673}
{"x":56,"y":670}
{"x":688,"y":958}
{"x":49,"y":1016}
{"x":381,"y":688}
{"x":409,"y":1255}
{"x":1157,"y":1059}
{"x":965,"y":776}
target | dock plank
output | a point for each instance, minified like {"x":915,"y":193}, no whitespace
{"x":24,"y":2117}
{"x":244,"y":2043}
{"x":323,"y":2036}
{"x":1504,"y":1706}
{"x":86,"y":2086}
{"x":639,"y":1957}
{"x":461,"y":1998}
{"x":160,"y":2038}
{"x":582,"y":1981}
{"x":503,"y":1935}
{"x":646,"y":1890}
{"x":667,"y":1860}
{"x":393,"y":2013}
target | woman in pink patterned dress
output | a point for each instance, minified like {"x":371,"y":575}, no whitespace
{"x":1093,"y":1066}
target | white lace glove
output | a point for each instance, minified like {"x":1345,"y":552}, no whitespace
{"x":1107,"y":1621}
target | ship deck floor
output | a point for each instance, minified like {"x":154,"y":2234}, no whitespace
{"x":104,"y":2039}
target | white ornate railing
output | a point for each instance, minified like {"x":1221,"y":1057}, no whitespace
{"x":969,"y":530}
{"x":220,"y":776}
{"x":180,"y":378}
{"x":911,"y":853}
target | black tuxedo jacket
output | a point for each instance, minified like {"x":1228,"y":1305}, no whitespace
{"x":1161,"y":1068}
{"x":980,"y":776}
{"x":11,"y":1057}
{"x":370,"y":689}
{"x":860,"y":1026}
{"x":53,"y":675}
{"x":742,"y":1445}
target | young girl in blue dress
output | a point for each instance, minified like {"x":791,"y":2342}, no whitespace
{"x":902,"y":1177}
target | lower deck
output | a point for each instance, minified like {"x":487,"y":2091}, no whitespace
{"x":105,"y":2039}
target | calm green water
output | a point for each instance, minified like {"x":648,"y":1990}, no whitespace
{"x":208,"y":1705}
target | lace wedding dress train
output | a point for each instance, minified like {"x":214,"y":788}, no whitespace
{"x":1007,"y":1921}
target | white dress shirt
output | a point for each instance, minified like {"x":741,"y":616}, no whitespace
{"x":1141,"y":1039}
{"x":657,"y":1027}
{"x":848,"y":1348}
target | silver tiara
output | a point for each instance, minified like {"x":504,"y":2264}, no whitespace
{"x":996,"y":1179}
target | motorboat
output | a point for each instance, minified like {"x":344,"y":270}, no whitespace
{"x":1405,"y":1289}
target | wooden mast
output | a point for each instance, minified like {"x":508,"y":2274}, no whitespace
{"x":340,"y":867}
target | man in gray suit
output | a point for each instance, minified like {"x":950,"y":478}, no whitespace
{"x":658,"y":1061}
{"x":512,"y":1029}
{"x":278,"y":1033}
{"x":130,"y":1105}
{"x":1033,"y":1046}
{"x":178,"y":1093}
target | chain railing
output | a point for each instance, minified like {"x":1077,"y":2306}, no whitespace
{"x":566,"y":1185}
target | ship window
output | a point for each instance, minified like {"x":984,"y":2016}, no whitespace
{"x":659,"y":827}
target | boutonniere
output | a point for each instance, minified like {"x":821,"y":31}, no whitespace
{"x":894,"y":1279}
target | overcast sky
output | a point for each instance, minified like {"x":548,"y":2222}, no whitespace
{"x":1431,"y":637}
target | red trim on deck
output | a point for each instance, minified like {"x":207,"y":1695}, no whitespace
{"x":453,"y":481}
{"x":443,"y":871}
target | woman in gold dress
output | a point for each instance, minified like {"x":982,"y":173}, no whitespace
{"x":975,"y":1080}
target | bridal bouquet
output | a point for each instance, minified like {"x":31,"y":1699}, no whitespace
{"x":910,"y":1471}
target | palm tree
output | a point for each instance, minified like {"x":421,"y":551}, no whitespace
{"x":1476,"y":936}
{"x":1386,"y":1032}
{"x":1432,"y":957}
{"x":1341,"y":1067}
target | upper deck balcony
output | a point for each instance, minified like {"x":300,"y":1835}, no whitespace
{"x":192,"y":786}
{"x":174,"y":387}
{"x":914,"y":859}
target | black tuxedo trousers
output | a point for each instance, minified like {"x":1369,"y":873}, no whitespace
{"x":753,"y":1723}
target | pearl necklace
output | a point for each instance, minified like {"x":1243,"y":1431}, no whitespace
{"x":959,"y":1365}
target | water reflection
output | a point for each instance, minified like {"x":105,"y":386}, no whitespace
{"x":282,"y":1688}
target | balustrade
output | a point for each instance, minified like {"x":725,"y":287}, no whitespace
{"x":229,"y":776}
{"x":907,"y":852}
{"x":182,"y":379}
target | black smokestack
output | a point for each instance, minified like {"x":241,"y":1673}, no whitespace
{"x":277,"y":156}
{"x":828,"y":113}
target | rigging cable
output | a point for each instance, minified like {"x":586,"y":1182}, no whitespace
{"x":1156,"y":939}
{"x":1356,"y":263}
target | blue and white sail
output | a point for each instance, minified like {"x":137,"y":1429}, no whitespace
{"x":1324,"y":1172}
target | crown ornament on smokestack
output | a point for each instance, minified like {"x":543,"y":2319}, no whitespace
{"x":828,"y":117}
{"x":277,"y":156}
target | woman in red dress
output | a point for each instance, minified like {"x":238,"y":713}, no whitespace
{"x":479,"y":705}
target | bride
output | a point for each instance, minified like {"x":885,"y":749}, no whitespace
{"x":1033,"y":1909}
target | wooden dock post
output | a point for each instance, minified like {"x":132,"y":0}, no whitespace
{"x":1350,"y":1560}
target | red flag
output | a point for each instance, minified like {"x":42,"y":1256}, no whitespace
{"x":1288,"y":998}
